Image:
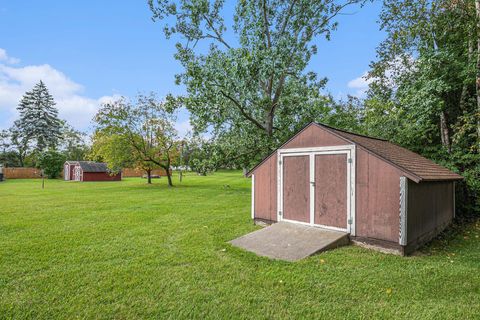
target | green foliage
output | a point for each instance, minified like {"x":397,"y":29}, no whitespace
{"x":72,"y":143}
{"x":38,"y":124}
{"x":113,"y":149}
{"x":138,"y":133}
{"x":422,"y":94}
{"x":51,"y":162}
{"x":202,"y":155}
{"x":253,"y":91}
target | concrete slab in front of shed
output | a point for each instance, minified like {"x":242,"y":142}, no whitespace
{"x":290,"y":242}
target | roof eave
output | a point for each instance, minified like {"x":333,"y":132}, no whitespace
{"x":450,"y":179}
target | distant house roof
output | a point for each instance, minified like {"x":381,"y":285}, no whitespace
{"x":410,"y":162}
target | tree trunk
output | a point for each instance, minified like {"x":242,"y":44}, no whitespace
{"x":169,"y":177}
{"x":269,"y":122}
{"x":477,"y":7}
{"x":444,"y":134}
{"x":149,"y":176}
{"x":465,"y":92}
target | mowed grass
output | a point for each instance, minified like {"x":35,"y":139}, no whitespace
{"x":126,"y":250}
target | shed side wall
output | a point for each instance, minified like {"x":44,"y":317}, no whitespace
{"x":100,"y":176}
{"x":266,"y":190}
{"x":430,"y":210}
{"x":377,"y":198}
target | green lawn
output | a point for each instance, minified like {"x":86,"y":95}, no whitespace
{"x":127,"y":250}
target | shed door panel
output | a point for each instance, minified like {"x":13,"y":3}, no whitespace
{"x":77,"y":173}
{"x":296,"y":188}
{"x":331,"y":190}
{"x":72,"y":172}
{"x":66,"y":172}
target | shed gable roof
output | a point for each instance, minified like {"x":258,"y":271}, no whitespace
{"x":407,"y":161}
{"x":91,"y":166}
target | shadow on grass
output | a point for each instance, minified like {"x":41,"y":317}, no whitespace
{"x":453,"y":237}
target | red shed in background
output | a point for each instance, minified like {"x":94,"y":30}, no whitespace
{"x":376,"y":191}
{"x":89,"y":171}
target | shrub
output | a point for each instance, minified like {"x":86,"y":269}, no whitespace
{"x":51,"y":162}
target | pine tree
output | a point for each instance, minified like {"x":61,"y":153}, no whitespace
{"x":39,"y":123}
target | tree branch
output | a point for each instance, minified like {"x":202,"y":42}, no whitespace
{"x":287,"y":17}
{"x":266,"y":25}
{"x":278,"y":92}
{"x":334,"y":14}
{"x":218,"y":36}
{"x":242,"y":110}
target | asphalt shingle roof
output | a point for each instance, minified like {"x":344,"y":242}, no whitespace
{"x":403,"y":158}
{"x":408,"y":161}
{"x":91,"y":166}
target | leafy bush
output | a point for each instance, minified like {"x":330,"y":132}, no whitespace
{"x":51,"y":162}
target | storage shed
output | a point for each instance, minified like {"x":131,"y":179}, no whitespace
{"x":378,"y":192}
{"x":89,"y":171}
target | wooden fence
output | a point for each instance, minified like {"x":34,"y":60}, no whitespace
{"x":33,"y":173}
{"x":21,"y":173}
{"x":131,"y":172}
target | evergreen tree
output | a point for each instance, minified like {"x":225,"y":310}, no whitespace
{"x":39,"y":123}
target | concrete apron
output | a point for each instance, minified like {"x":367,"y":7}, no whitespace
{"x":290,"y":241}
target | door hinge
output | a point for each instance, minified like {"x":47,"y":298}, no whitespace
{"x":350,"y":221}
{"x":280,"y":213}
{"x":279,"y":161}
{"x":350,"y":160}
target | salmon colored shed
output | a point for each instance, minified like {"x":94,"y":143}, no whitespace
{"x":380,"y":193}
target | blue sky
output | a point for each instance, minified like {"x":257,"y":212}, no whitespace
{"x":89,"y":51}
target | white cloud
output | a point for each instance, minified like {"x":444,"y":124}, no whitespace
{"x":73,"y":106}
{"x":183,"y":128}
{"x":360,"y":85}
{"x":397,"y":66}
{"x":6,"y":59}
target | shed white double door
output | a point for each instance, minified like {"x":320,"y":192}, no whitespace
{"x":316,"y":187}
{"x":77,"y":173}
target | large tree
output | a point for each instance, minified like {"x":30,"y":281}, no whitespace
{"x":249,"y":82}
{"x":141,"y":132}
{"x":38,"y":124}
{"x":19,"y":144}
{"x":424,"y":84}
{"x":477,"y":15}
{"x":426,"y":67}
